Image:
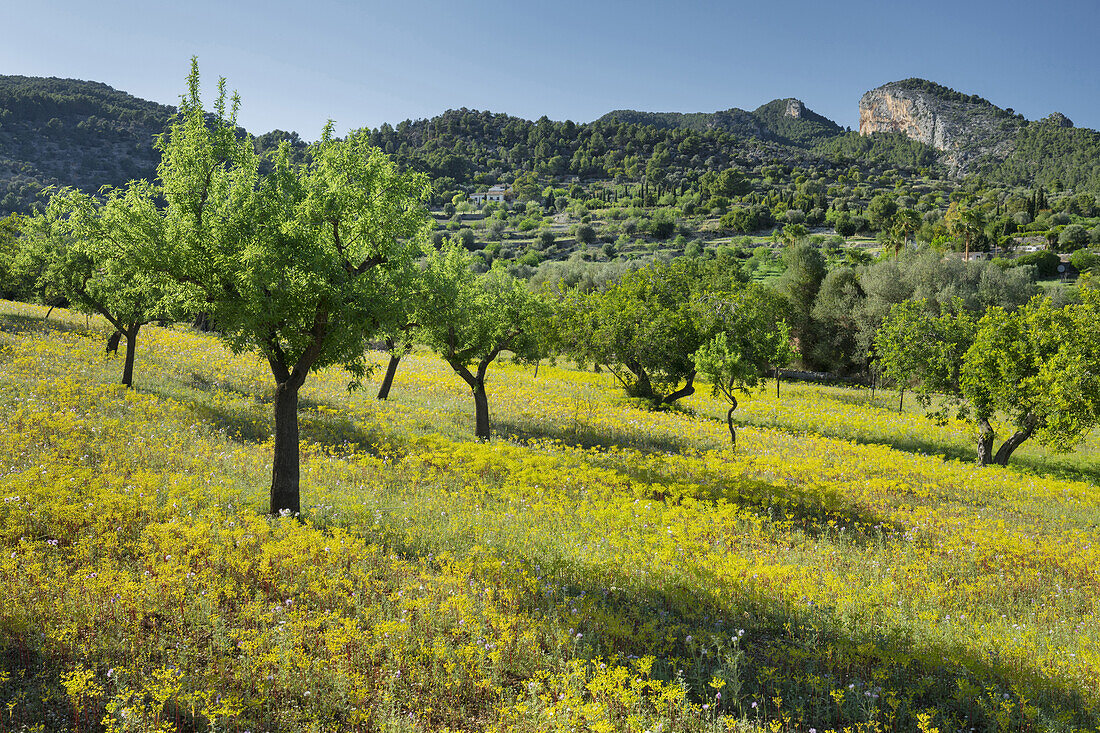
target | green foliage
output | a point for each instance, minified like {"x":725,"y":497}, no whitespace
{"x":1029,"y":365}
{"x":799,"y":284}
{"x":893,"y":149}
{"x":1049,"y":155}
{"x":468,"y":319}
{"x":750,"y":339}
{"x":806,"y":130}
{"x":90,"y":252}
{"x":585,"y":233}
{"x":915,"y":348}
{"x":70,"y":133}
{"x":10,"y":285}
{"x":746,"y":219}
{"x":1072,"y":238}
{"x":1084,"y":260}
{"x":1045,"y":262}
{"x":303,"y":264}
{"x":646,"y":326}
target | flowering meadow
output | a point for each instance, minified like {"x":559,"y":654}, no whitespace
{"x":596,"y":567}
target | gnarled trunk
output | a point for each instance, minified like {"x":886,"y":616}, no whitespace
{"x":1014,"y":441}
{"x":686,"y":391}
{"x":642,"y":387}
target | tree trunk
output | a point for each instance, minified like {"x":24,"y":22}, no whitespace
{"x":901,"y":399}
{"x":1010,"y":445}
{"x":131,"y":347}
{"x":985,"y":442}
{"x":387,"y":381}
{"x":729,"y":423}
{"x":481,"y":410}
{"x":481,"y":400}
{"x":285,"y":487}
{"x":686,"y":391}
{"x":777,"y":383}
{"x":284,"y":467}
{"x":642,"y":386}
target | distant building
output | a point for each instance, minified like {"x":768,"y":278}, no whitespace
{"x":496,"y":193}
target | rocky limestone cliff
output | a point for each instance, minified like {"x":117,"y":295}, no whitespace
{"x":795,"y":108}
{"x":965,"y":127}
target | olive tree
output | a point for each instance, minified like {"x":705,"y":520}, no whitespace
{"x":298,"y":263}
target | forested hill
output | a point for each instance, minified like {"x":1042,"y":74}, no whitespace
{"x":786,"y":121}
{"x":65,"y":132}
{"x":465,"y":148}
{"x":974,"y":135}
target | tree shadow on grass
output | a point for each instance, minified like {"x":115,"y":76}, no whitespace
{"x":589,"y":438}
{"x":1034,"y":465}
{"x":33,"y":685}
{"x":829,"y":673}
{"x":18,"y":323}
{"x":831,"y":669}
{"x":36,"y":699}
{"x":1025,"y":461}
{"x":252,"y":421}
{"x":817,"y":510}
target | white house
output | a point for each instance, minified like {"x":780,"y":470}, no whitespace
{"x":496,"y":193}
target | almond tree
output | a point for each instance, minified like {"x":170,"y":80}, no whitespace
{"x":469,"y":319}
{"x":299,"y":264}
{"x":646,"y":326}
{"x":89,"y":249}
{"x":1034,"y":368}
{"x":750,"y":340}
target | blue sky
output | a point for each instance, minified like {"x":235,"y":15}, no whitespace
{"x":296,"y":65}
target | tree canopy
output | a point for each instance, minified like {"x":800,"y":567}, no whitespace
{"x":89,"y":250}
{"x":647,"y":325}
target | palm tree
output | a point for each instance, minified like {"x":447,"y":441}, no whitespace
{"x":906,"y":223}
{"x":965,"y":223}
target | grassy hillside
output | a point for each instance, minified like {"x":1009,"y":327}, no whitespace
{"x":597,"y":567}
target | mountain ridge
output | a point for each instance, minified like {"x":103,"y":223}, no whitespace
{"x":67,"y":132}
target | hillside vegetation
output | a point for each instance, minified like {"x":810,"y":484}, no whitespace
{"x":65,"y":132}
{"x":597,"y":567}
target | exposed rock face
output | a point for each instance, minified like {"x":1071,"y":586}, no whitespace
{"x":964,"y":127}
{"x":795,"y":108}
